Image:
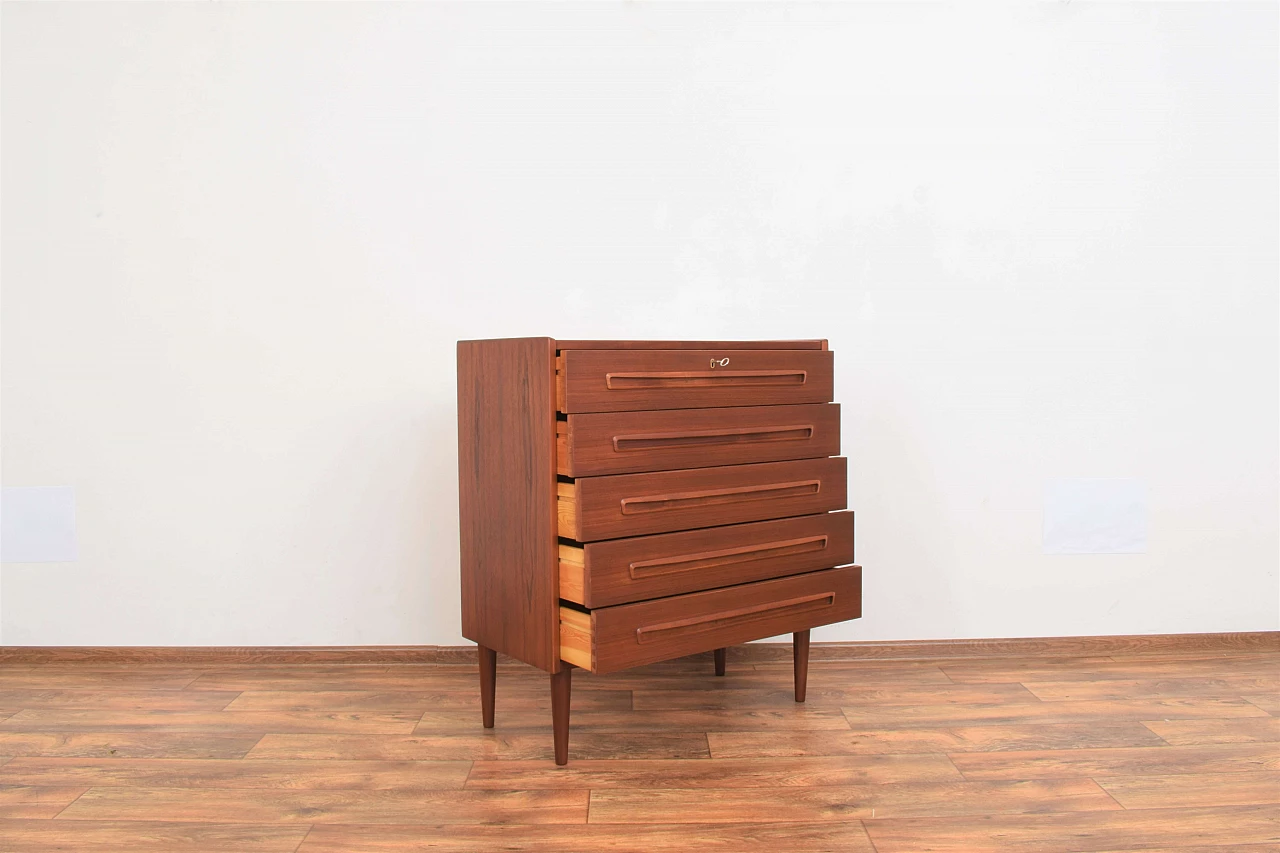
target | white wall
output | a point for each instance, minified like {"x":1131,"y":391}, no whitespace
{"x":240,"y":241}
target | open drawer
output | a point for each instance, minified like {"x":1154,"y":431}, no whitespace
{"x":618,"y":571}
{"x":612,"y":638}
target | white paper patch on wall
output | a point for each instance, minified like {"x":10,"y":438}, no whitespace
{"x":37,"y":524}
{"x":1095,"y":516}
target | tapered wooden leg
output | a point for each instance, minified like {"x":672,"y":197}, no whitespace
{"x":720,"y":654}
{"x":488,"y":675}
{"x":560,"y":688}
{"x":800,"y":655}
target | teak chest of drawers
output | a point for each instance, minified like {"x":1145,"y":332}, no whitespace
{"x":627,"y":502}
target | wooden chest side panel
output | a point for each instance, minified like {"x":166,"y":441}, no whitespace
{"x":507,"y":497}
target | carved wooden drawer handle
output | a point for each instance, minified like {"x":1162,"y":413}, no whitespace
{"x":726,"y":557}
{"x":726,"y":618}
{"x":702,"y":438}
{"x":714,"y":497}
{"x":702,"y":379}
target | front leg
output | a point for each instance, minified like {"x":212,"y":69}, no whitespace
{"x":488,"y":675}
{"x":561,"y":682}
{"x":800,"y":659}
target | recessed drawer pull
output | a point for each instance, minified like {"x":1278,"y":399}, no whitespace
{"x":634,"y":381}
{"x":726,"y":557}
{"x":725,"y":618}
{"x":710,"y":497}
{"x":696,"y":438}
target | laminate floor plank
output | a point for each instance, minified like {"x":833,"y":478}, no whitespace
{"x":1165,"y":760}
{"x":114,"y":679}
{"x":224,"y":805}
{"x":717,"y":773}
{"x":948,"y":739}
{"x":237,"y":773}
{"x":84,"y":836}
{"x":830,"y":695}
{"x":844,"y":836}
{"x":1192,"y":732}
{"x":1080,"y":832}
{"x":840,"y":803}
{"x":1219,"y":687}
{"x":526,"y":698}
{"x":149,"y":744}
{"x":1191,"y":791}
{"x":1044,"y":713}
{"x":1269,"y":702}
{"x":492,"y":745}
{"x":795,"y":718}
{"x":1040,"y":671}
{"x":77,"y":720}
{"x":93,"y":699}
{"x":35,"y":801}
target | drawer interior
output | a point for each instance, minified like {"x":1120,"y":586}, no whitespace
{"x":567,"y":510}
{"x":575,"y":638}
{"x":573,"y":572}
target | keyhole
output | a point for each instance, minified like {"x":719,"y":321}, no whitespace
{"x":723,"y":362}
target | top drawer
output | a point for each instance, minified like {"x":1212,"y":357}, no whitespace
{"x":633,"y":380}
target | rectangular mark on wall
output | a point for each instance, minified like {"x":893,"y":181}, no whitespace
{"x":1095,"y":516}
{"x":37,"y":524}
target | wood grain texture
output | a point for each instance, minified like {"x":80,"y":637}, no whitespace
{"x":590,"y":445}
{"x":1056,"y":764}
{"x":1064,"y":832}
{"x":816,"y":771}
{"x":727,"y":768}
{"x":635,"y":380}
{"x":1193,"y":732}
{"x":847,"y":837}
{"x":1193,"y":789}
{"x":295,"y":774}
{"x":111,"y":836}
{"x":260,"y":805}
{"x":644,"y":567}
{"x":506,"y":497}
{"x":948,"y":739}
{"x":732,"y":805}
{"x":25,"y":801}
{"x":637,"y":504}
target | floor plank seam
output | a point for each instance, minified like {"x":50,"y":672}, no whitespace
{"x":72,"y":803}
{"x":305,"y":836}
{"x":867,"y":832}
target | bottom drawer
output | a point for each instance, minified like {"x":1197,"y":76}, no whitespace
{"x":611,"y":638}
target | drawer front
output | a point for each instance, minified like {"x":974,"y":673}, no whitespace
{"x":624,"y":442}
{"x":664,"y":501}
{"x":613,"y":638}
{"x":617,"y":571}
{"x":634,"y":380}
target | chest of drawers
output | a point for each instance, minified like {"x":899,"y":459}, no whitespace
{"x":628,"y":502}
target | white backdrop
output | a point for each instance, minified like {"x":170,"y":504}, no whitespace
{"x":240,"y":241}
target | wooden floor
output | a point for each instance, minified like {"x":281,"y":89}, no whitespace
{"x":1119,"y":753}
